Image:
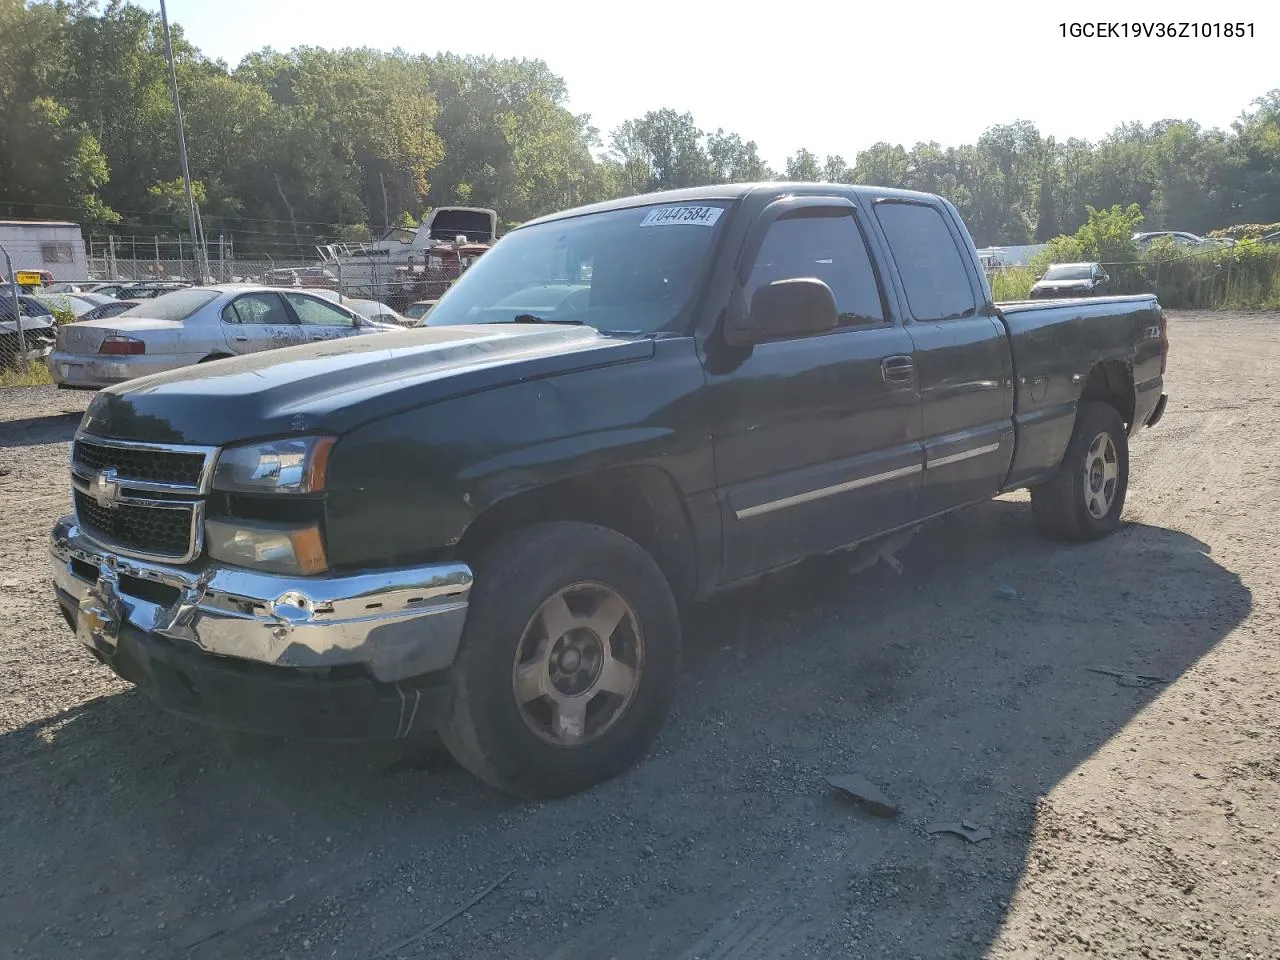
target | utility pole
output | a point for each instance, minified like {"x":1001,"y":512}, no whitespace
{"x":204,"y":249}
{"x":182,"y":142}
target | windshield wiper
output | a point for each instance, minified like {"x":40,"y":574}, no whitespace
{"x":530,"y":318}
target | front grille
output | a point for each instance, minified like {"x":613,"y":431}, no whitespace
{"x":159,"y":531}
{"x":142,"y":463}
{"x":143,"y":499}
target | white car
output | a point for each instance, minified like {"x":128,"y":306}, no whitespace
{"x":372,"y":309}
{"x":377,"y":311}
{"x":194,"y":325}
{"x":416,"y":311}
{"x":1181,"y":238}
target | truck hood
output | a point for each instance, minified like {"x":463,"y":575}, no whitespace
{"x":336,"y":385}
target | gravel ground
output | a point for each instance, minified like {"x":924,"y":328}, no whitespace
{"x":1125,"y":821}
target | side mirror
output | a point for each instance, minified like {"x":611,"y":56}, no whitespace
{"x":783,"y":310}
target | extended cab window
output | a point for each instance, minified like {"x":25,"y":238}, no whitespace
{"x":829,"y":248}
{"x":928,"y":260}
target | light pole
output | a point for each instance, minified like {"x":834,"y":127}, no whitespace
{"x":17,"y":307}
{"x":182,"y":150}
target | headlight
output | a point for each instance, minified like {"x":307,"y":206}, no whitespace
{"x":271,"y":547}
{"x":292,"y":465}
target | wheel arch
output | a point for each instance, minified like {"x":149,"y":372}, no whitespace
{"x":643,"y":503}
{"x":1111,"y":382}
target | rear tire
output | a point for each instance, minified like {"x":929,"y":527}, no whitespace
{"x":215,"y":356}
{"x":1084,"y":500}
{"x":568,"y":663}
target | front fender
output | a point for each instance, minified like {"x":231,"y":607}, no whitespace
{"x":409,"y":485}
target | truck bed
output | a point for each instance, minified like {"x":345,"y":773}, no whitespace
{"x":1055,"y":344}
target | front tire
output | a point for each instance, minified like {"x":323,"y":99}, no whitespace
{"x":568,"y":662}
{"x":1086,"y":497}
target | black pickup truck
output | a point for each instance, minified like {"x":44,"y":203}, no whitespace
{"x":487,"y":526}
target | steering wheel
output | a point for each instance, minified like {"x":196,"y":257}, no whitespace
{"x":576,"y":302}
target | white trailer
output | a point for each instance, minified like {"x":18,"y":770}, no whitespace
{"x":51,"y":246}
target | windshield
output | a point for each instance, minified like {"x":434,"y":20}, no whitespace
{"x":1069,"y":272}
{"x":631,"y":270}
{"x":473,"y":224}
{"x":28,"y":306}
{"x":173,"y":306}
{"x":398,"y":234}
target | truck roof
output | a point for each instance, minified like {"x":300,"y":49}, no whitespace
{"x":723,"y":191}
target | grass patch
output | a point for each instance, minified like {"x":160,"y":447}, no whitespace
{"x":1012,"y":283}
{"x":36,"y":374}
{"x":1246,"y":277}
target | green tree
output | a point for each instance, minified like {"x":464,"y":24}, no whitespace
{"x":732,"y":161}
{"x":294,"y":148}
{"x":803,"y":166}
{"x":882,"y":165}
{"x":53,"y":164}
{"x":835,"y":170}
{"x":662,"y":151}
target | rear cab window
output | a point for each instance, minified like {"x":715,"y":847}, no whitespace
{"x":931,"y":265}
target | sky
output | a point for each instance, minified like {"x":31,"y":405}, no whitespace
{"x":834,"y":77}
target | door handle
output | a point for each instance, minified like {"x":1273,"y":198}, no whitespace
{"x":240,"y":339}
{"x":897,"y":369}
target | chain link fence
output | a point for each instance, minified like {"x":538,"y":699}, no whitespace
{"x":139,"y":268}
{"x":28,"y":328}
{"x":395,"y":285}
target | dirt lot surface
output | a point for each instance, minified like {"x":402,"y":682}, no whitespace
{"x":1125,"y":820}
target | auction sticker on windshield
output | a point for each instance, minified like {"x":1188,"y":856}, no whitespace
{"x":702,"y":216}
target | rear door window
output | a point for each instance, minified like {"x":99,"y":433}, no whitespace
{"x":929,"y":261}
{"x":257,"y":308}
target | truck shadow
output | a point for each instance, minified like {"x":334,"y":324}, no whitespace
{"x":37,"y":431}
{"x":960,"y":686}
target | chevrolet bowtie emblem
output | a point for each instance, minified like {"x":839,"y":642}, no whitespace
{"x":105,"y":489}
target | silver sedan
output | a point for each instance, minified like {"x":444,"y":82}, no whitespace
{"x":194,"y":325}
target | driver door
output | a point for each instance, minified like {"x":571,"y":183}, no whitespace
{"x":817,"y":438}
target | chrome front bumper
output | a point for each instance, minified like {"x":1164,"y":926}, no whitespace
{"x":396,"y":623}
